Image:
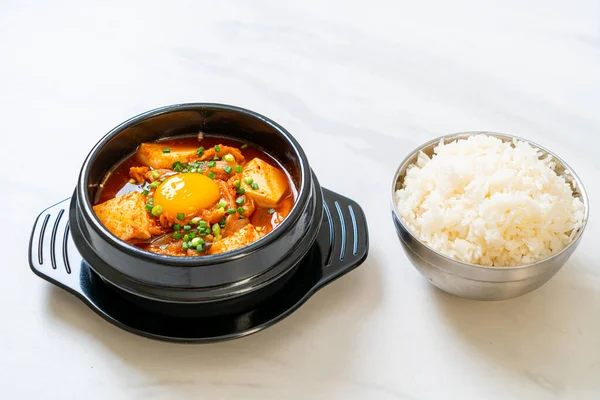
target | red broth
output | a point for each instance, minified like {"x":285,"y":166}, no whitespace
{"x":118,"y":181}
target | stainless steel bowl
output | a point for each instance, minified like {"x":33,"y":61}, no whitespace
{"x":475,"y":281}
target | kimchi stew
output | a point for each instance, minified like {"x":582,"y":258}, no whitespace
{"x":195,"y":196}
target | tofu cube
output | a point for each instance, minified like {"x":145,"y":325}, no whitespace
{"x":272,"y":182}
{"x":151,"y":155}
{"x":125,"y":216}
{"x":239,"y":239}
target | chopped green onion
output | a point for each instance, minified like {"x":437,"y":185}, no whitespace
{"x":186,"y":238}
{"x":177,"y":167}
{"x":221,"y":210}
{"x":211,"y":175}
{"x":181,"y":216}
{"x":202,"y":224}
{"x":227,"y":169}
{"x":230,"y":211}
{"x":200,"y":151}
{"x":238,"y":168}
{"x":176,"y":227}
{"x":236,"y":184}
{"x":254,"y":186}
{"x":248,"y":180}
{"x":217,"y":148}
{"x":177,"y":236}
{"x":187,"y":228}
{"x":184,"y":245}
{"x":241,"y":190}
{"x":185,"y":170}
{"x":222,"y":222}
{"x":211,"y":164}
{"x":195,"y":241}
{"x":161,"y":180}
{"x":228,"y":158}
{"x":199,"y":248}
{"x":166,"y":150}
{"x":145,"y":192}
{"x":151,"y":200}
{"x":193,"y":170}
{"x":155,"y":174}
{"x":239,"y":201}
{"x":154,"y":184}
{"x":244,"y":146}
{"x":242,"y":217}
{"x":148,"y":207}
{"x":222,"y":204}
{"x":216,"y":158}
{"x":271,"y":211}
{"x":216,"y":228}
{"x":195,"y":220}
{"x":240,"y":210}
{"x":192,"y":235}
{"x":156,"y":210}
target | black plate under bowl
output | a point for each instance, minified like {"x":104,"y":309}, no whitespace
{"x":342,"y":245}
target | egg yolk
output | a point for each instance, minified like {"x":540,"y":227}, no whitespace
{"x":186,"y":194}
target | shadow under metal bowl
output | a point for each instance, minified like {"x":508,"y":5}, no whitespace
{"x":475,"y":281}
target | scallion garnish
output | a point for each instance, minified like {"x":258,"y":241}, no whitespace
{"x":199,"y":248}
{"x":154,"y":184}
{"x":166,"y":150}
{"x":230,"y":211}
{"x":216,"y":228}
{"x":240,"y":210}
{"x":145,"y":192}
{"x":184,"y":245}
{"x":186,"y":238}
{"x":241,"y":190}
{"x":222,"y":222}
{"x":238,"y":168}
{"x":271,"y":211}
{"x":156,"y":210}
{"x":148,"y":207}
{"x":177,"y":236}
{"x":202,"y":224}
{"x":211,"y":164}
{"x":244,"y":146}
{"x":236,"y":184}
{"x":181,"y":216}
{"x":217,"y":148}
{"x":254,"y":186}
{"x":192,"y":234}
{"x":222,"y":204}
{"x":187,"y":228}
{"x":155,"y":174}
{"x":200,"y":151}
{"x":177,"y":167}
{"x":211,"y":175}
{"x":228,"y":158}
{"x":248,"y":180}
{"x":227,"y":169}
{"x":176,"y":227}
{"x":239,"y":201}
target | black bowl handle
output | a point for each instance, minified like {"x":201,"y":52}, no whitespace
{"x":52,"y":253}
{"x":344,"y":237}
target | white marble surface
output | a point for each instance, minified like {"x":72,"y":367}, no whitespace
{"x":359,"y":84}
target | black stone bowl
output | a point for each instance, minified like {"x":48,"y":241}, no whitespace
{"x":214,"y":285}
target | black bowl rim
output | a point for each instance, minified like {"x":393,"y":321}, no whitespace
{"x":87,"y":211}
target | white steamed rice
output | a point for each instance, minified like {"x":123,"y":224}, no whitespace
{"x":484,"y":201}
